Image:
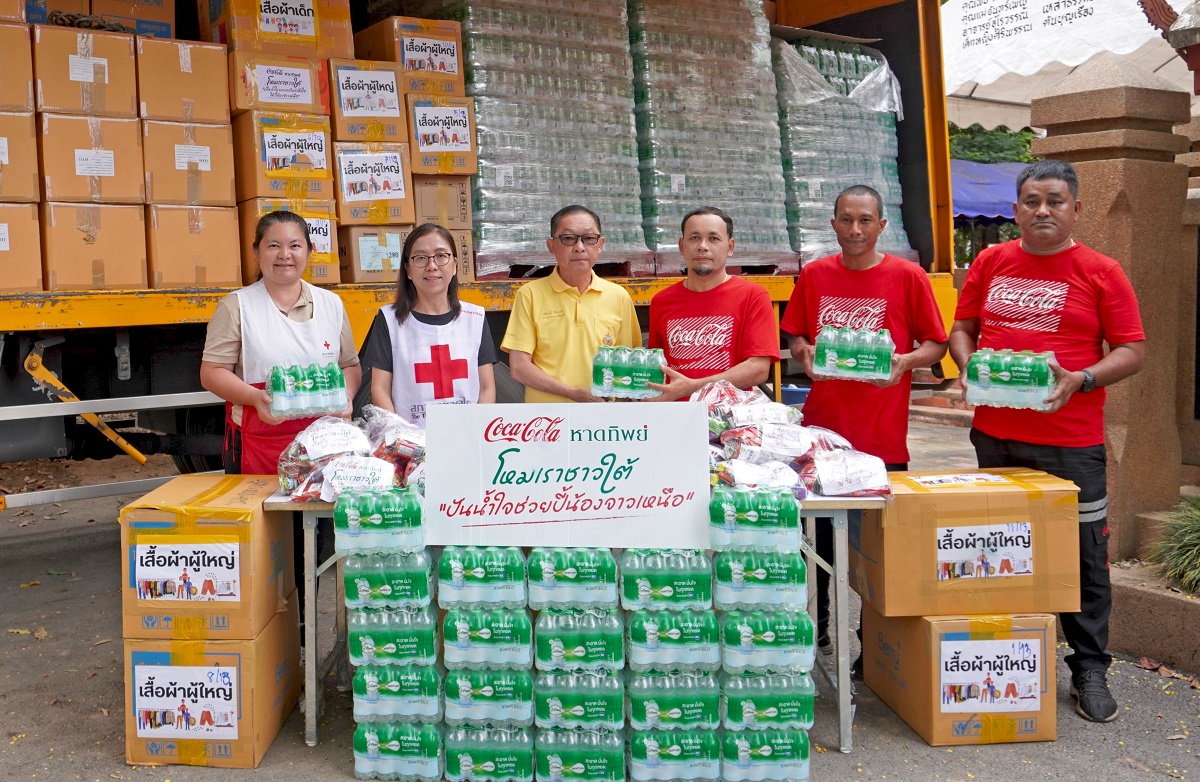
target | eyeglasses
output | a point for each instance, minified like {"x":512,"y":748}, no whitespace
{"x":423,"y":261}
{"x":569,"y":240}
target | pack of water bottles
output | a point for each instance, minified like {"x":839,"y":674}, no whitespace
{"x":1002,"y":378}
{"x":853,"y":354}
{"x":749,"y":519}
{"x":623,"y":373}
{"x":306,"y":392}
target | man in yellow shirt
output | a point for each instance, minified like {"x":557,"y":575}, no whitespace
{"x":557,"y":322}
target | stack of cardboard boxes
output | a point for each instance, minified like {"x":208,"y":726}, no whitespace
{"x":20,"y":191}
{"x":154,"y":18}
{"x":210,"y":619}
{"x":959,"y":579}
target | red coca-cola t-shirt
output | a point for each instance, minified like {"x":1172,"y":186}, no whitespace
{"x":893,"y":295}
{"x":1071,"y":303}
{"x":706,"y":333}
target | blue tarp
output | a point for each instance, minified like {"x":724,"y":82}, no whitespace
{"x":984,"y":189}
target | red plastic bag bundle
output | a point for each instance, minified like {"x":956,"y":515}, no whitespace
{"x":394,"y":439}
{"x":828,"y":440}
{"x":324,"y":440}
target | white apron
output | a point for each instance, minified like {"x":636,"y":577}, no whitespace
{"x":434,"y":364}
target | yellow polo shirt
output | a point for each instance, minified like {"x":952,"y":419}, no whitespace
{"x":562,"y":328}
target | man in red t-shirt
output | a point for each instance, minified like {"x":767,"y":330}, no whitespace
{"x":711,"y":326}
{"x":1047,"y":292}
{"x":862,"y":288}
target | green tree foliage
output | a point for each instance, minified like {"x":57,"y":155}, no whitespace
{"x":1000,"y":145}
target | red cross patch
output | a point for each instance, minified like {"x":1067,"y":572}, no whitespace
{"x":441,"y":371}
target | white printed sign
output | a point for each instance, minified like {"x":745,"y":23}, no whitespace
{"x":185,"y":702}
{"x":430,"y":54}
{"x":371,"y":176}
{"x":287,"y":17}
{"x":375,"y":257}
{"x":85,"y":68}
{"x":4,"y":246}
{"x":94,"y":162}
{"x":442,"y":128}
{"x":354,"y":473}
{"x":320,"y":231}
{"x":566,"y":474}
{"x":678,"y":184}
{"x":3,"y":151}
{"x":283,"y":85}
{"x":297,"y":151}
{"x":166,"y":569}
{"x":506,"y":176}
{"x":991,"y":676}
{"x":368,"y":93}
{"x":320,"y":441}
{"x":958,"y":479}
{"x":186,"y":154}
{"x":985,"y":551}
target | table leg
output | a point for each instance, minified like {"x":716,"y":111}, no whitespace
{"x":311,"y":658}
{"x":341,"y":649}
{"x":841,"y":581}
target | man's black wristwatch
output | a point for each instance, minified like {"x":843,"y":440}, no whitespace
{"x":1089,"y":381}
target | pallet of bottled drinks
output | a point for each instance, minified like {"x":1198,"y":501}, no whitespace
{"x":576,"y":663}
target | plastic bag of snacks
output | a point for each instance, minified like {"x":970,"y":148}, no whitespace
{"x":761,"y":443}
{"x":851,"y":473}
{"x":736,"y":472}
{"x":720,"y":397}
{"x":324,"y":440}
{"x":828,"y":440}
{"x":394,"y":439}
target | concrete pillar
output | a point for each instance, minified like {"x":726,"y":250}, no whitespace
{"x":1189,"y":426}
{"x":1114,"y":121}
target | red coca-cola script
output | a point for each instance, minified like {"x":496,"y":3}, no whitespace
{"x":541,"y":429}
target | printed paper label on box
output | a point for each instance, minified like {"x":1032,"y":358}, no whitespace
{"x":186,"y":154}
{"x":291,"y":152}
{"x":185,"y":701}
{"x":321,"y":232}
{"x":87,"y":68}
{"x":3,"y":151}
{"x":506,"y":176}
{"x":991,"y":676}
{"x":288,"y":17}
{"x":442,"y":128}
{"x":375,"y":257}
{"x":678,"y":184}
{"x":170,"y":570}
{"x":985,"y":551}
{"x":957,"y":479}
{"x":94,"y":162}
{"x":371,"y":176}
{"x":430,"y":54}
{"x":368,"y":93}
{"x":283,"y":85}
{"x":4,"y":246}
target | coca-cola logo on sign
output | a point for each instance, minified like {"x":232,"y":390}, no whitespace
{"x":542,"y":429}
{"x":852,"y":312}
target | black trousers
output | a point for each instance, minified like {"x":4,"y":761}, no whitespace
{"x":1086,"y":631}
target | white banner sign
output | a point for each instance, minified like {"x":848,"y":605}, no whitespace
{"x":991,"y":676}
{"x":986,"y":551}
{"x":607,"y":475}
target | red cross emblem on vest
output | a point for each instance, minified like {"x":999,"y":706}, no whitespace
{"x":441,"y":371}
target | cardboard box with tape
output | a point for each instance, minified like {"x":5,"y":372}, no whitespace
{"x":465,"y":244}
{"x":965,"y":679}
{"x":977,"y":542}
{"x":149,"y":18}
{"x":12,"y":10}
{"x":443,"y":135}
{"x":282,"y":156}
{"x":94,"y":159}
{"x":374,"y":186}
{"x":371,"y":253}
{"x":38,"y":11}
{"x":20,"y":248}
{"x":193,"y":247}
{"x":277,"y":82}
{"x":314,"y":28}
{"x":19,"y":177}
{"x":84,"y":72}
{"x":16,"y":68}
{"x":182,"y":81}
{"x":188,"y":164}
{"x":366,"y":102}
{"x":323,"y":264}
{"x":93,"y":247}
{"x":445,"y":200}
{"x":429,"y":50}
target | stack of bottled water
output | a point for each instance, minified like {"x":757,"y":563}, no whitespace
{"x":553,"y":87}
{"x":1006,"y":379}
{"x":852,"y":354}
{"x":624,"y":372}
{"x":708,"y":126}
{"x":304,"y":392}
{"x":838,"y":105}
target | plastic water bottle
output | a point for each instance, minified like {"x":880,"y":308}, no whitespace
{"x":572,"y":578}
{"x":487,"y":638}
{"x":979,"y":377}
{"x":320,"y":392}
{"x":886,"y":350}
{"x":389,"y":693}
{"x":281,"y":396}
{"x":825,"y":358}
{"x":298,"y":386}
{"x":675,"y":701}
{"x":595,"y":756}
{"x":338,"y":401}
{"x":602,"y":371}
{"x":400,"y":580}
{"x":673,"y":640}
{"x":580,"y":700}
{"x":489,"y":755}
{"x":847,"y":344}
{"x":398,"y":751}
{"x":570,"y":639}
{"x":674,"y":755}
{"x":470,"y":576}
{"x":658,"y":360}
{"x":665,"y":579}
{"x":767,"y":580}
{"x":762,"y":701}
{"x":489,"y":697}
{"x":403,"y":636}
{"x":757,"y":755}
{"x":722,"y":518}
{"x":622,"y":365}
{"x":766,"y":641}
{"x":1002,"y":385}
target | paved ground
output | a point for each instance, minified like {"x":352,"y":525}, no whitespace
{"x":61,"y":696}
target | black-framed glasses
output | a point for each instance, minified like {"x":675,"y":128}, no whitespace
{"x":569,"y":240}
{"x":423,"y":261}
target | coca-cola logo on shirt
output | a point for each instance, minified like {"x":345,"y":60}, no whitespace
{"x":852,"y":312}
{"x":541,"y":429}
{"x":704,"y":342}
{"x":1035,"y":305}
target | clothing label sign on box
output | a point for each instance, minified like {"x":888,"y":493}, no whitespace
{"x":94,"y":162}
{"x":991,"y":676}
{"x":288,"y":17}
{"x":368,"y":93}
{"x":988,"y":551}
{"x":185,"y":701}
{"x":430,"y":54}
{"x":375,"y":257}
{"x":186,"y":154}
{"x":86,"y":68}
{"x":283,"y":85}
{"x":168,"y":568}
{"x":958,"y":479}
{"x":366,"y":177}
{"x":442,"y":128}
{"x":299,"y":152}
{"x":320,"y":231}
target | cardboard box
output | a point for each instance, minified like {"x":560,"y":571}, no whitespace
{"x":442,"y":133}
{"x":371,"y":253}
{"x":207,"y":12}
{"x":93,"y":247}
{"x":965,"y":679}
{"x":282,"y":156}
{"x":38,"y":11}
{"x":366,"y":101}
{"x":465,"y":243}
{"x":182,"y":81}
{"x":12,"y":10}
{"x":276,"y":82}
{"x":374,"y":186}
{"x":445,"y":200}
{"x":80,"y":72}
{"x":188,"y":164}
{"x":20,"y":248}
{"x":16,"y":68}
{"x":977,"y":542}
{"x":234,"y":696}
{"x":323,"y":264}
{"x":19,"y":179}
{"x":95,"y":159}
{"x":154,"y":18}
{"x":238,"y":558}
{"x":193,"y":247}
{"x":430,"y":51}
{"x":313,"y":28}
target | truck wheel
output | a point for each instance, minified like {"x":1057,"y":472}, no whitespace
{"x":200,"y":420}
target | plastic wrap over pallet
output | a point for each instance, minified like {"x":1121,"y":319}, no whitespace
{"x":838,"y":106}
{"x":553,"y":87}
{"x":708,"y":126}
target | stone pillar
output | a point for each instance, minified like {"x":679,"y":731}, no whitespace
{"x":1114,"y":121}
{"x":1189,"y":426}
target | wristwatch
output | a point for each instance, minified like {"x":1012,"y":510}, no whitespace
{"x":1089,"y":381}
